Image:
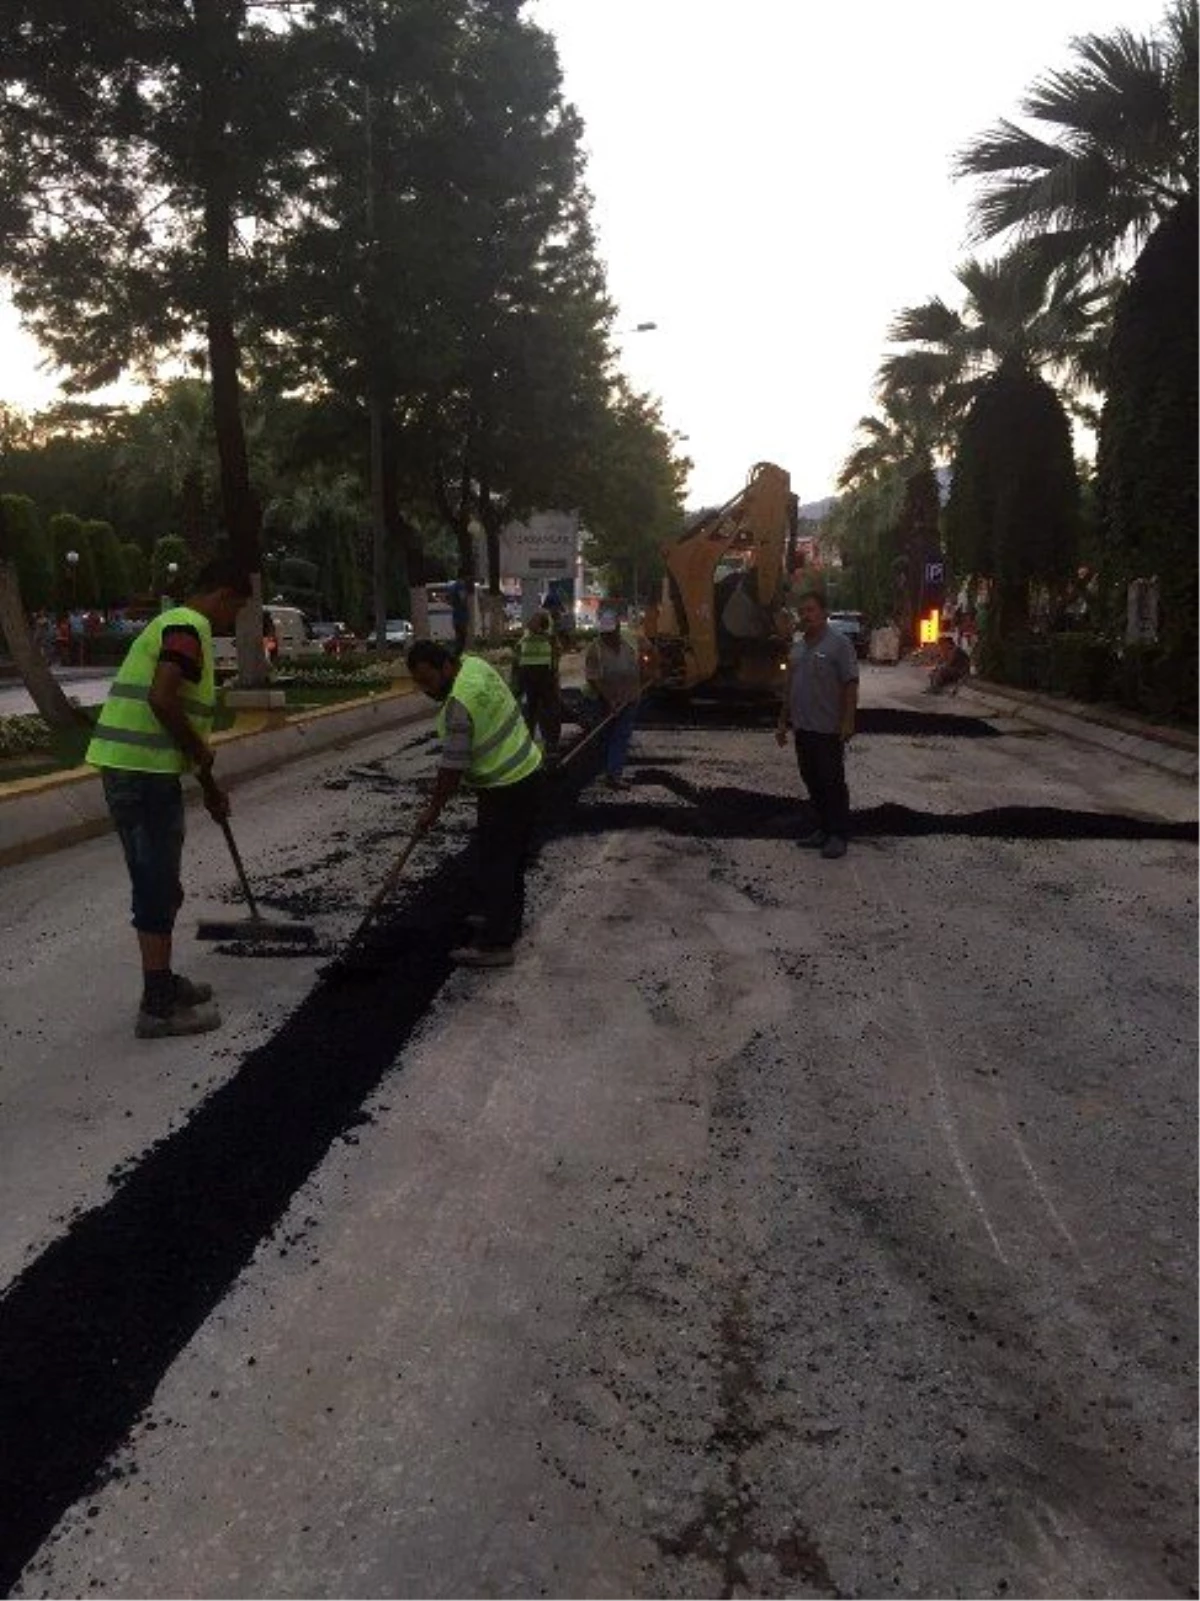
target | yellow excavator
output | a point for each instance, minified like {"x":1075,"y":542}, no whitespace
{"x":720,"y":618}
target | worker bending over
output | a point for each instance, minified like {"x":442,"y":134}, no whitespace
{"x":614,"y":677}
{"x":153,"y":728}
{"x":536,"y":680}
{"x":820,"y":703}
{"x":485,"y":744}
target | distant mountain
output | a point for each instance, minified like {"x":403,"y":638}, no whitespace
{"x":811,"y":511}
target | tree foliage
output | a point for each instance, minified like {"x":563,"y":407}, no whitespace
{"x":28,"y":550}
{"x":1147,"y":461}
{"x":632,"y":493}
{"x":1013,"y":511}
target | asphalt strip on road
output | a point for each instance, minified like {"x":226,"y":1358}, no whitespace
{"x":90,"y":1327}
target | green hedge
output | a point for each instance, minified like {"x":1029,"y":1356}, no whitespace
{"x":21,"y":734}
{"x":1147,"y":679}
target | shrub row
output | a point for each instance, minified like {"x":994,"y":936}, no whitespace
{"x":1145,"y":679}
{"x":23,"y":733}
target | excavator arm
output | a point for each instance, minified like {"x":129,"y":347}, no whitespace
{"x":725,"y":580}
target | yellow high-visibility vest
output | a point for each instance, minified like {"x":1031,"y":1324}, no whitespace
{"x":502,"y":750}
{"x":128,"y":734}
{"x":535,"y":650}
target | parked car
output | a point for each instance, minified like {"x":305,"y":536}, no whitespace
{"x":853,"y":624}
{"x":399,"y":634}
{"x":287,"y":634}
{"x":336,"y":639}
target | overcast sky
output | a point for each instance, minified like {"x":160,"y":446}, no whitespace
{"x":772,"y":180}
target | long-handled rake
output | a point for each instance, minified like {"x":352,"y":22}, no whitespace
{"x":352,"y":956}
{"x":255,"y":928}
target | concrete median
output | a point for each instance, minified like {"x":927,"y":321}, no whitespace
{"x":50,"y":813}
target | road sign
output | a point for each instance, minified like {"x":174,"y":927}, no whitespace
{"x":547,"y":546}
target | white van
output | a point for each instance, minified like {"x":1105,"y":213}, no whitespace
{"x":293,"y":635}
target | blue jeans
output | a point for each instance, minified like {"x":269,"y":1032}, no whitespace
{"x":616,"y":741}
{"x":148,"y":811}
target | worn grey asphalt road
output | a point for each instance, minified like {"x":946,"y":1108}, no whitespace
{"x":775,"y":1227}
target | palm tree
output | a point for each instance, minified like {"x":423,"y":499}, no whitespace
{"x":1114,"y":172}
{"x":1013,"y":507}
{"x":170,"y":442}
{"x":1121,"y":152}
{"x":892,"y":474}
{"x":1017,"y":311}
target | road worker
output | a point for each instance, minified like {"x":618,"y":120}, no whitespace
{"x":486,"y":745}
{"x":153,"y":728}
{"x":536,"y":680}
{"x":820,"y":705}
{"x":614,"y":678}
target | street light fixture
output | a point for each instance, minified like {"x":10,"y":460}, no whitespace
{"x":73,"y":566}
{"x":639,"y":328}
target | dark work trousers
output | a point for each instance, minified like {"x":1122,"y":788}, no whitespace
{"x":538,"y":690}
{"x":506,"y":822}
{"x":822,"y":759}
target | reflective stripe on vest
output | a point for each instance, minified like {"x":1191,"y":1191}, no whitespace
{"x":128,"y":734}
{"x":535,"y":650}
{"x":502,"y":749}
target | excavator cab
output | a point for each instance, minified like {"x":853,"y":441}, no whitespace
{"x":721,"y":618}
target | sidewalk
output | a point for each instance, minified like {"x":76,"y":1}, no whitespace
{"x":87,"y":685}
{"x":38,"y":815}
{"x":1172,"y":750}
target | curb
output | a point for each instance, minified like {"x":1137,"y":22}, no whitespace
{"x":70,"y":807}
{"x":1167,"y":749}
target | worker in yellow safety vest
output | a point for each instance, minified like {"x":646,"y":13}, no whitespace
{"x":487,"y":746}
{"x":535,"y":679}
{"x":153,"y":728}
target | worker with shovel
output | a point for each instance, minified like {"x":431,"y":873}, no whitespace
{"x":486,"y":745}
{"x":153,"y":728}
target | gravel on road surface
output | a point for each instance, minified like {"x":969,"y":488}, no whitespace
{"x":774,"y":1227}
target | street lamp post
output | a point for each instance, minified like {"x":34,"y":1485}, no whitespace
{"x":73,"y":569}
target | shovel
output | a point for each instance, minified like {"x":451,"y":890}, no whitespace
{"x":348,"y":958}
{"x":256,"y":928}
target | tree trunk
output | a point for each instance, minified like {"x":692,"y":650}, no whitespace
{"x":41,"y":683}
{"x":192,"y":498}
{"x":218,"y":25}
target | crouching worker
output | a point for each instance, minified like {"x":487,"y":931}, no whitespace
{"x":153,"y":728}
{"x":953,"y":666}
{"x":486,"y":745}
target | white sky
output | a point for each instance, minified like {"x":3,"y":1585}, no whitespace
{"x":772,"y":182}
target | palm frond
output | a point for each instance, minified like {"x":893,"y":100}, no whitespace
{"x":1006,"y":148}
{"x":906,"y":370}
{"x":1119,"y":90}
{"x":1181,"y":38}
{"x":934,"y":323}
{"x":861,"y":465}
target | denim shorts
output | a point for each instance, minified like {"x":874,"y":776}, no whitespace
{"x":148,"y":811}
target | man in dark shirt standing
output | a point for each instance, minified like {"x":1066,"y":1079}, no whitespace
{"x":820,"y":701}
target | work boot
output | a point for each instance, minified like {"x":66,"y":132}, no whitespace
{"x":813,"y":841}
{"x":483,"y":956}
{"x":176,"y":1021}
{"x":189,"y":994}
{"x":833,"y":848}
